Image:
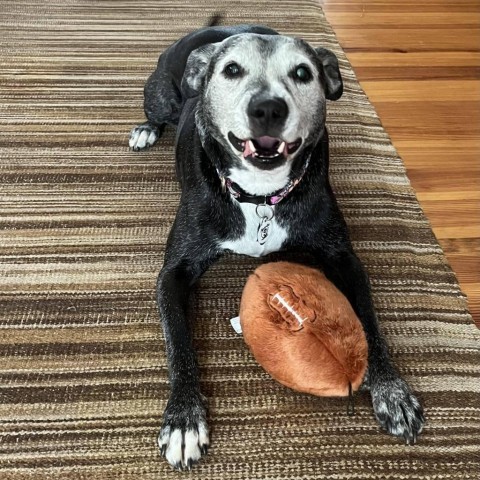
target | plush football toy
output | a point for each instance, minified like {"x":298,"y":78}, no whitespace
{"x":302,"y":330}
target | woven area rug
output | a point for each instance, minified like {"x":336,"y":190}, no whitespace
{"x":83,"y":378}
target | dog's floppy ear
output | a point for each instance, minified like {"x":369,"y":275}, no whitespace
{"x":333,"y":79}
{"x":196,"y":69}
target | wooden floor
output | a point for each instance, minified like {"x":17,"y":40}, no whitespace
{"x":419,"y":63}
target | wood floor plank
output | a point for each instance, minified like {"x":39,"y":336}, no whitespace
{"x":408,"y":39}
{"x":444,"y":180}
{"x":394,"y":5}
{"x":443,"y":91}
{"x":370,"y":18}
{"x":414,"y":59}
{"x":418,"y":73}
{"x":451,"y":213}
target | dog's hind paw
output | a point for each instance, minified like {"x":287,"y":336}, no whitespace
{"x":183,"y":438}
{"x":397,"y":410}
{"x":143,"y":136}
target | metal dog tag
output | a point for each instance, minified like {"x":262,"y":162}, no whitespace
{"x":263,"y":230}
{"x":265,"y":222}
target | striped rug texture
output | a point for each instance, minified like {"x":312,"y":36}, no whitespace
{"x":83,"y":377}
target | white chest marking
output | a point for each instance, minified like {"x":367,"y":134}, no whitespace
{"x":247,"y":244}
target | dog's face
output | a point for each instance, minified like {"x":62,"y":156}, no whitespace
{"x":263,"y":97}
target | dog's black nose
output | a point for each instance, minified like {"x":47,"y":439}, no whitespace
{"x":267,"y":115}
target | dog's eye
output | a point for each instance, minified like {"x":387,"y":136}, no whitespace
{"x":232,"y":70}
{"x":302,"y":73}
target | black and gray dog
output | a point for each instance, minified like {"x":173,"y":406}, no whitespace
{"x":252,"y":161}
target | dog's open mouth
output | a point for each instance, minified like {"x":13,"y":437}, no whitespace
{"x":264,"y":148}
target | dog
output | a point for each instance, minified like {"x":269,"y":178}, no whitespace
{"x":252,"y":157}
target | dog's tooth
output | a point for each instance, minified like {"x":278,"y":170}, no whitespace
{"x":281,"y":147}
{"x":249,"y":149}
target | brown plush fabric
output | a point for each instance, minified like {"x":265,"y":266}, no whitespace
{"x":83,"y":225}
{"x":303,"y":330}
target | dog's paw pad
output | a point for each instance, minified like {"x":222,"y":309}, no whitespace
{"x":397,"y":410}
{"x":183,"y":448}
{"x":143,"y":136}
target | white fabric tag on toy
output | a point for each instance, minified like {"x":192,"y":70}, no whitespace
{"x":236,"y":324}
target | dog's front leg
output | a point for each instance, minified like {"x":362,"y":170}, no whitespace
{"x":183,"y":436}
{"x":396,"y":408}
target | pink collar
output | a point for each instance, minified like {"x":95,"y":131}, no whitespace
{"x":240,"y":195}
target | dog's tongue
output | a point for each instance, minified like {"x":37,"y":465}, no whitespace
{"x":266,"y":142}
{"x":264,"y":146}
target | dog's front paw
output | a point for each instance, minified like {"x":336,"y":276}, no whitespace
{"x":143,"y":136}
{"x":397,"y":410}
{"x":183,"y":438}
